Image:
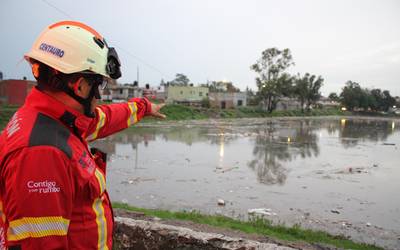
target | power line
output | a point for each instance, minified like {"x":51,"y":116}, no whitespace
{"x":126,"y":51}
{"x":59,"y":10}
{"x":141,"y":60}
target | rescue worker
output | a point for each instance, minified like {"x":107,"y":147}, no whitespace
{"x":52,"y":187}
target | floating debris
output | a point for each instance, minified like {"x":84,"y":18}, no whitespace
{"x":335,"y":211}
{"x":221,"y":202}
{"x":263,"y":211}
{"x":224,"y":170}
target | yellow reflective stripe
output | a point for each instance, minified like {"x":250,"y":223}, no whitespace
{"x":100,"y":124}
{"x":101,"y":180}
{"x":101,"y":224}
{"x":35,"y":227}
{"x":133,"y":116}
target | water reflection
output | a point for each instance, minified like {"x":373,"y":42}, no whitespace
{"x":352,"y":132}
{"x":274,"y":143}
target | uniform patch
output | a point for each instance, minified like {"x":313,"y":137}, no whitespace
{"x":86,"y":162}
{"x":47,"y":131}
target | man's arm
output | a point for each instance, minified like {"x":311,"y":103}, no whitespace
{"x":116,"y":117}
{"x":38,"y":198}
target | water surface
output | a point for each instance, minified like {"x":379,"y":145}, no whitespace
{"x":339,"y":175}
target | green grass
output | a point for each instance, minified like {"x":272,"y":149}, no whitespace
{"x":255,"y":225}
{"x":179,"y":112}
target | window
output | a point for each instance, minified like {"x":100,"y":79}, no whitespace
{"x":121,"y":91}
{"x":240,"y":102}
{"x":200,"y":93}
{"x":181,"y":92}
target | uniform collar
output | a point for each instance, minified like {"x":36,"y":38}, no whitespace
{"x":48,"y":105}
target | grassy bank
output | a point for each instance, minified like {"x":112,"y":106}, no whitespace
{"x":179,"y":112}
{"x":257,"y":226}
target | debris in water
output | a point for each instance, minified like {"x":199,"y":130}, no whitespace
{"x":263,"y":211}
{"x":335,"y":211}
{"x":368,"y":224}
{"x":124,"y":201}
{"x":221,"y":202}
{"x":227,"y":170}
{"x":389,"y":144}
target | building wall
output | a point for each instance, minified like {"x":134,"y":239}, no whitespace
{"x":227,"y":100}
{"x":123,"y":92}
{"x":14,"y":92}
{"x":186,"y":94}
{"x":288,"y":104}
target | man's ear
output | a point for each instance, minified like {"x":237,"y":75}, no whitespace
{"x":77,"y":86}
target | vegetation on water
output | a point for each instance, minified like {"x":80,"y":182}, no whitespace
{"x":255,"y":225}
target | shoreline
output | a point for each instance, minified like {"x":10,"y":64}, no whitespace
{"x":257,"y":228}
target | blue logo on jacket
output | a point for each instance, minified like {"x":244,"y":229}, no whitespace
{"x":51,"y":49}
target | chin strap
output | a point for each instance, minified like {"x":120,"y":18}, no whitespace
{"x":85,"y":102}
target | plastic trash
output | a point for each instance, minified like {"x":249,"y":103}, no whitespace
{"x":263,"y":211}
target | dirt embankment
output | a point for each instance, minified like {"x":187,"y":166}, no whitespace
{"x":136,"y":231}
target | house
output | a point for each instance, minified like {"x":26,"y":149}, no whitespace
{"x":189,"y":95}
{"x":227,"y":99}
{"x":286,"y":103}
{"x":14,"y":92}
{"x":120,"y":92}
{"x":326,"y":102}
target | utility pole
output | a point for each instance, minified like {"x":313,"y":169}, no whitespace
{"x":137,"y":75}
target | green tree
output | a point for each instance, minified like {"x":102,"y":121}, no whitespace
{"x":273,"y":81}
{"x":351,"y":95}
{"x":388,"y":100}
{"x":334,"y":97}
{"x":180,"y":80}
{"x":307,"y":89}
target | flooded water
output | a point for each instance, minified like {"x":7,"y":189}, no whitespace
{"x":335,"y":174}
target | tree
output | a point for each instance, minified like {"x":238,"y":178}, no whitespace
{"x":180,"y":80}
{"x":351,"y":95}
{"x":307,"y":88}
{"x":273,"y":81}
{"x":334,"y":97}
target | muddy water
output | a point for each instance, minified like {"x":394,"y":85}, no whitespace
{"x":334,"y":174}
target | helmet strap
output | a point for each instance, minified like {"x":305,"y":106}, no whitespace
{"x":85,"y":102}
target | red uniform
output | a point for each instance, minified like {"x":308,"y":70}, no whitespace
{"x":52,"y":187}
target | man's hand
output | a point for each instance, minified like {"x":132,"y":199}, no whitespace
{"x":155,"y":108}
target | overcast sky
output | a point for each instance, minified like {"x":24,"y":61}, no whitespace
{"x":219,"y":39}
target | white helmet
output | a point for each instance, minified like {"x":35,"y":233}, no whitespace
{"x":72,"y":47}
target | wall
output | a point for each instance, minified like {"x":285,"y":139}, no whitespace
{"x":14,"y":92}
{"x":186,"y":94}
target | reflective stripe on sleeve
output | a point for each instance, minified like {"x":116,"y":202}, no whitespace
{"x":35,"y":227}
{"x":100,"y":124}
{"x":133,"y":116}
